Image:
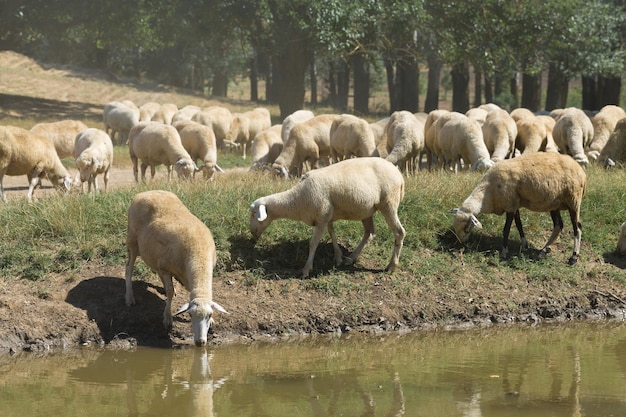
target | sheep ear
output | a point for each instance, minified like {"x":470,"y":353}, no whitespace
{"x":262,"y":213}
{"x":183,"y":309}
{"x":218,"y":169}
{"x":218,"y":307}
{"x":475,"y":222}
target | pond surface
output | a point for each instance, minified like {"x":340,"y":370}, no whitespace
{"x":542,"y":371}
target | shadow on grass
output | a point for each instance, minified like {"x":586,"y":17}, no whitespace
{"x":614,"y":258}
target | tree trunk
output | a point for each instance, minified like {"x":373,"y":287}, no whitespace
{"x":514,"y":90}
{"x":391,"y":85}
{"x":531,"y":91}
{"x":488,"y":90}
{"x":609,"y":89}
{"x":434,"y":79}
{"x":332,"y":85}
{"x":343,"y":86}
{"x":590,"y":93}
{"x":407,"y":82}
{"x":478,"y":87}
{"x":219,"y":86}
{"x":557,"y":89}
{"x":254,"y":79}
{"x":313,"y":79}
{"x":460,"y":87}
{"x":292,"y":64}
{"x":360,"y":66}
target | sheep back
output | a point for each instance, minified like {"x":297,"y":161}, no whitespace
{"x":405,"y":140}
{"x":266,"y":146}
{"x":61,"y":133}
{"x":572,"y":132}
{"x":499,"y":132}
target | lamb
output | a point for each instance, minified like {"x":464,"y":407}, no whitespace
{"x":353,"y":189}
{"x":165,"y":113}
{"x":308,"y":142}
{"x":154,"y":144}
{"x":199,"y":141}
{"x":266,"y":146}
{"x":615,"y":148}
{"x":94,"y":155}
{"x":603,"y":125}
{"x":175,"y":244}
{"x":293,"y":119}
{"x":245,"y":126}
{"x":539,"y":181}
{"x":499,"y":132}
{"x":351,"y":136}
{"x":147,"y":110}
{"x":572,"y":133}
{"x":23,"y":152}
{"x":217,"y":118}
{"x":462,"y":138}
{"x":119,"y":118}
{"x":621,"y":243}
{"x":405,"y":140}
{"x":61,"y":133}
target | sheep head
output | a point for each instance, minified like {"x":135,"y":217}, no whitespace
{"x":463,"y":224}
{"x":258,"y":219}
{"x":185,"y":168}
{"x":201,"y":313}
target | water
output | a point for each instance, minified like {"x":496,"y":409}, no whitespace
{"x":544,"y":371}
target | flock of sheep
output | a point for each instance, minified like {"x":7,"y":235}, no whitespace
{"x":349,"y":168}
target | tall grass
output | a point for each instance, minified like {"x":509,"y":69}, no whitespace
{"x":61,"y":234}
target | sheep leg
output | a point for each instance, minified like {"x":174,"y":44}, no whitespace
{"x":2,"y":193}
{"x":168,"y":284}
{"x":336,"y":248}
{"x":557,"y":223}
{"x":132,"y":252}
{"x":573,"y":214}
{"x":33,"y":181}
{"x":143,"y":171}
{"x":391,"y":216}
{"x":315,"y":240}
{"x":368,"y":235}
{"x":522,"y":235}
{"x":504,"y":254}
{"x":106,"y":180}
{"x":135,"y":168}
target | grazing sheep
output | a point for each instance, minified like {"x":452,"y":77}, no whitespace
{"x":186,"y":113}
{"x":147,"y":110}
{"x":293,"y":119}
{"x":23,"y":152}
{"x":93,"y":152}
{"x":308,"y":142}
{"x":165,"y":113}
{"x":431,"y":135}
{"x":540,"y":181}
{"x":61,"y":133}
{"x":245,"y":126}
{"x":603,"y":125}
{"x":572,"y":133}
{"x":132,"y":106}
{"x":266,"y":146}
{"x":175,"y":244}
{"x":499,"y":132}
{"x":621,"y":242}
{"x":154,"y":144}
{"x":118,"y":119}
{"x":549,"y":123}
{"x":353,"y":189}
{"x":532,"y":135}
{"x":462,"y":138}
{"x":615,"y":148}
{"x":217,"y":118}
{"x":351,"y":136}
{"x":199,"y":141}
{"x":405,"y":140}
{"x":521,"y":113}
{"x":478,"y":114}
{"x":489,"y":106}
{"x":378,"y":128}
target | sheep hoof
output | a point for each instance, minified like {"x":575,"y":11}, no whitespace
{"x":573,"y":259}
{"x":348,"y":261}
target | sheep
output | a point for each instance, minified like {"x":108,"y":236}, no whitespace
{"x":539,"y":181}
{"x":431,"y":135}
{"x":462,"y":138}
{"x":477,"y":113}
{"x":499,"y":132}
{"x":23,"y":152}
{"x":621,"y":242}
{"x":489,"y":106}
{"x":353,"y":189}
{"x":61,"y":133}
{"x":165,"y":113}
{"x":93,"y":153}
{"x":378,"y":128}
{"x":308,"y":142}
{"x":154,"y":144}
{"x":572,"y":133}
{"x":548,"y":123}
{"x":615,"y":148}
{"x":245,"y":126}
{"x":175,"y":244}
{"x":131,"y":105}
{"x":266,"y":146}
{"x":603,"y":125}
{"x":217,"y":118}
{"x":186,"y":113}
{"x":293,"y":119}
{"x":147,"y":110}
{"x":521,"y":113}
{"x":199,"y":141}
{"x":405,"y":140}
{"x":532,"y":135}
{"x":119,"y":118}
{"x":351,"y":136}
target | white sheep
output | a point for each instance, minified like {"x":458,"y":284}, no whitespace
{"x":155,"y":144}
{"x":572,"y":133}
{"x":431,"y":135}
{"x":293,"y":119}
{"x":165,"y":113}
{"x":521,"y":113}
{"x":621,"y":242}
{"x":61,"y":133}
{"x":462,"y":138}
{"x":615,"y":148}
{"x":539,"y":181}
{"x":499,"y":132}
{"x":353,"y":189}
{"x":23,"y":152}
{"x":603,"y":125}
{"x":175,"y":244}
{"x":351,"y":136}
{"x":147,"y":110}
{"x":405,"y":140}
{"x":118,"y":119}
{"x":245,"y":126}
{"x":266,"y":146}
{"x":185,"y":113}
{"x":532,"y":134}
{"x":378,"y":128}
{"x":217,"y":118}
{"x":309,"y":142}
{"x":479,"y":114}
{"x":93,"y":153}
{"x":199,"y":141}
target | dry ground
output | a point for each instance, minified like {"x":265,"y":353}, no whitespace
{"x":88,"y":307}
